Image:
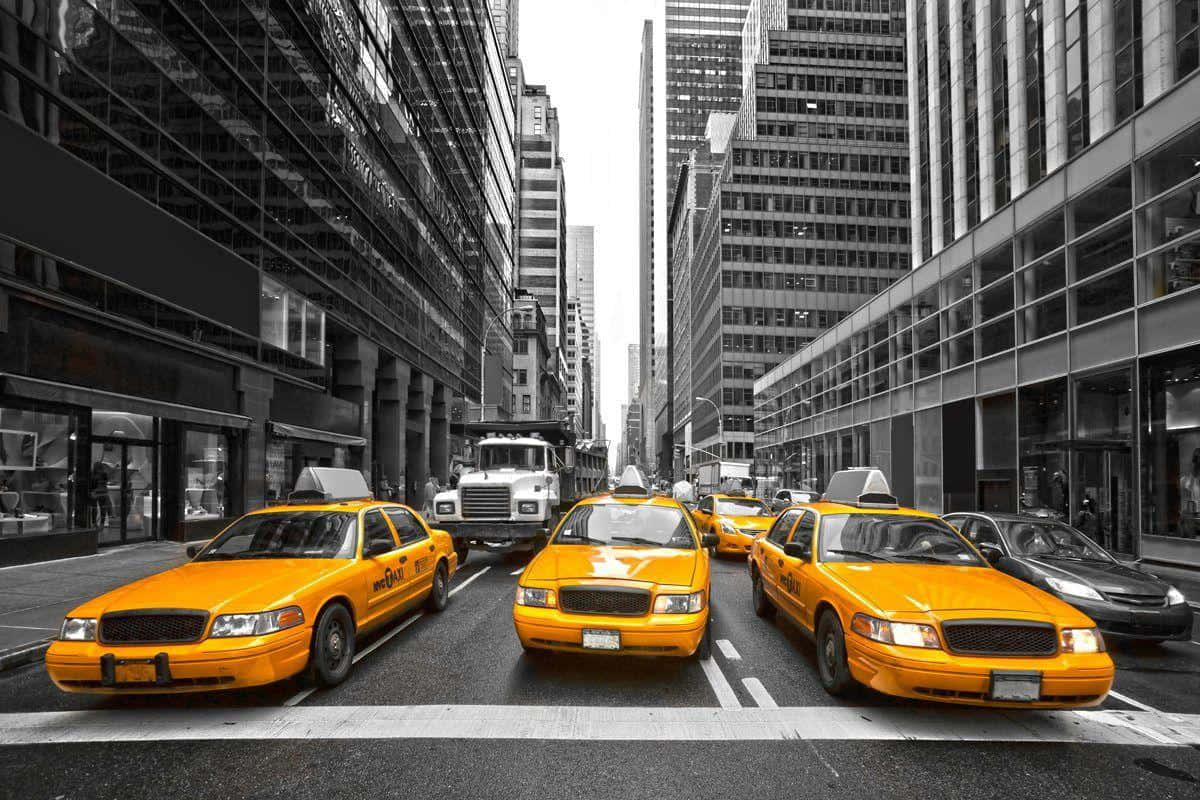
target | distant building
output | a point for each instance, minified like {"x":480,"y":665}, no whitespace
{"x":581,"y":289}
{"x":538,"y":392}
{"x":633,"y":367}
{"x":645,"y":211}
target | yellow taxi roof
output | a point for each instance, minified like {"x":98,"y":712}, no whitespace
{"x":340,"y":505}
{"x":827,"y":507}
{"x":724,"y":496}
{"x":631,"y":499}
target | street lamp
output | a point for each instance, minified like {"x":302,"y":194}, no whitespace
{"x":720,"y":425}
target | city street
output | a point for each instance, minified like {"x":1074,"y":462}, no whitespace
{"x":449,"y":706}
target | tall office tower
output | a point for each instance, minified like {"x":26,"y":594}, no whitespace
{"x":542,"y":225}
{"x":646,"y":219}
{"x":704,"y":71}
{"x":1044,"y":356}
{"x":506,"y":17}
{"x":809,"y":218}
{"x":633,"y":364}
{"x":290,"y":257}
{"x":581,"y":253}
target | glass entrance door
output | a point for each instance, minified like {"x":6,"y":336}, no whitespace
{"x":123,"y":498}
{"x":1102,"y":496}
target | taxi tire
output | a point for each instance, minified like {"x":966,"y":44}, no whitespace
{"x":334,"y":618}
{"x":439,"y":594}
{"x":832,"y":669}
{"x":763,"y":606}
{"x":704,"y":648}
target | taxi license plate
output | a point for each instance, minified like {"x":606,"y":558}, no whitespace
{"x":1015,"y":687}
{"x":602,"y":640}
{"x":134,"y":673}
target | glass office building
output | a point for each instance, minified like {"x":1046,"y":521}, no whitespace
{"x":238,"y":238}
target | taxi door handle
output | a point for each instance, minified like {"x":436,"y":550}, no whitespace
{"x":431,"y":548}
{"x":780,"y":562}
{"x":405,"y":558}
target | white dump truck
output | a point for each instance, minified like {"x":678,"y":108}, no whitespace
{"x":525,"y":476}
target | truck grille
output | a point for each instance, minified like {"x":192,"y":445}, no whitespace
{"x":1000,"y":637}
{"x":136,"y":627}
{"x":605,"y":600}
{"x":486,"y":502}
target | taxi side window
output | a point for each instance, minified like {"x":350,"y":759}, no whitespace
{"x":805,"y":530}
{"x":706,"y":505}
{"x":375,"y":529}
{"x":407,"y":527}
{"x":782,"y":527}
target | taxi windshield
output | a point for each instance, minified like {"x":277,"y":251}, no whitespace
{"x":742,"y":507}
{"x":617,"y":524}
{"x":512,"y":456}
{"x":285,"y":534}
{"x":894,"y":538}
{"x":1050,"y":540}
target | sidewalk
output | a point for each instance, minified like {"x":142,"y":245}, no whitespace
{"x":35,"y":597}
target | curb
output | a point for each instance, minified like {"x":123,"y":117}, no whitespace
{"x":25,"y":654}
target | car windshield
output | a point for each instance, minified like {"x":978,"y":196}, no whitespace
{"x":1050,"y":540}
{"x":622,"y":525}
{"x":500,"y":456}
{"x":893,"y":537}
{"x":747,"y":507}
{"x":286,"y":534}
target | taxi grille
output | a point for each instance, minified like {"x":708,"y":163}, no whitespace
{"x":1000,"y":638}
{"x":480,"y":502}
{"x":136,"y":627}
{"x":604,"y":600}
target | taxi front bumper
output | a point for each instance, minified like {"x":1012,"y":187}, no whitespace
{"x":734,"y":543}
{"x":1068,"y":680}
{"x":207,"y":665}
{"x":650,"y":635}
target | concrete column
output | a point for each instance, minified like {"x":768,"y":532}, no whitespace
{"x":934,"y":113}
{"x":420,"y":396}
{"x":1101,"y":67}
{"x":1158,"y":49}
{"x":391,"y":400}
{"x":439,"y":433}
{"x":983,"y":86}
{"x":1018,"y":134}
{"x":255,"y":390}
{"x":1054,"y":59}
{"x":355,"y":361}
{"x":958,"y":118}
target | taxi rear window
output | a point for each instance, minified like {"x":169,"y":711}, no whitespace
{"x":622,"y":525}
{"x":286,"y":534}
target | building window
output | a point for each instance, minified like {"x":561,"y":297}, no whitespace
{"x":1043,"y":442}
{"x":1187,"y":37}
{"x":927,"y":460}
{"x":1078,"y":134}
{"x":520,"y":377}
{"x":1001,"y":187}
{"x":925,"y":187}
{"x":1102,"y":465}
{"x":1035,"y":93}
{"x":291,"y":323}
{"x":42,"y":470}
{"x":1127,"y":44}
{"x":1170,"y":391}
{"x":945,"y":129}
{"x":525,"y":408}
{"x":205,"y":457}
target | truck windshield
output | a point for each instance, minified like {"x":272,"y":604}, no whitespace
{"x":519,"y":456}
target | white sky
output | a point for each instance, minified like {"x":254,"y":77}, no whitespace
{"x":586,"y":52}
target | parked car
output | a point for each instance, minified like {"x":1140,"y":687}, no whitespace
{"x":1123,"y":600}
{"x":787,"y":497}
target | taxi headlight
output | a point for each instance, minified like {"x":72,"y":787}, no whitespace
{"x":907,"y":634}
{"x":679,"y":603}
{"x":1082,"y":640}
{"x":729,"y":527}
{"x":1175,"y":597}
{"x":1073,"y":588}
{"x":537,"y":598}
{"x":228,"y":625}
{"x":527,"y":507}
{"x":445,"y":508}
{"x":78,"y":629}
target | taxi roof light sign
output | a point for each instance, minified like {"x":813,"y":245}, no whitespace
{"x":865,"y":487}
{"x":632,"y":483}
{"x":329,"y":485}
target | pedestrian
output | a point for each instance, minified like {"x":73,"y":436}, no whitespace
{"x":98,"y":490}
{"x":430,"y":494}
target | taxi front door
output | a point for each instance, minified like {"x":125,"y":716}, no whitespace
{"x":384,"y":572}
{"x":795,"y":573}
{"x":771,"y":559}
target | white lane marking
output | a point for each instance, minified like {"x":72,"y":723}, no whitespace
{"x":728,"y":650}
{"x":720,"y":686}
{"x":303,"y":694}
{"x":607,"y":723}
{"x":518,"y":572}
{"x":26,"y":628}
{"x":1130,"y":701}
{"x":759,"y":693}
{"x":817,"y":753}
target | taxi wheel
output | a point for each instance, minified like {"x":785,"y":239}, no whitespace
{"x":333,"y":646}
{"x":704,"y":649}
{"x":762,"y":603}
{"x":831,"y":656}
{"x":440,"y":594}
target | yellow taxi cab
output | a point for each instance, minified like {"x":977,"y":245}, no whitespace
{"x":734,"y":519}
{"x":281,"y":591}
{"x":898,"y":600}
{"x":625,"y":572}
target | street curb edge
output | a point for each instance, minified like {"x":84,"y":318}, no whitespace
{"x":25,"y":654}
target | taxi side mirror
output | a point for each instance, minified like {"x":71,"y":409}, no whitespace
{"x":709,"y":540}
{"x":193,"y":550}
{"x":797,"y":550}
{"x":376,"y":548}
{"x":991,"y":553}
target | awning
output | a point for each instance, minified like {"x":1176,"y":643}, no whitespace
{"x":312,"y":434}
{"x":51,"y":392}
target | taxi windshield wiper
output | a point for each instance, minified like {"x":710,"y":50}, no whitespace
{"x":861,"y":554}
{"x":574,"y":539}
{"x":214,"y":557}
{"x":639,"y":540}
{"x":263,"y":554}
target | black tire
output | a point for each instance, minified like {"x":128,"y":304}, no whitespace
{"x":704,"y":649}
{"x":763,"y":606}
{"x":832,"y":668}
{"x":333,"y":643}
{"x":462,"y":551}
{"x":439,"y":595}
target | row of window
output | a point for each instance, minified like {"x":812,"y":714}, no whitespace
{"x":810,"y":231}
{"x":815,"y":257}
{"x":880,"y":54}
{"x":819,"y":204}
{"x":837,"y":84}
{"x":888,"y":134}
{"x":781,"y":317}
{"x":877,"y":27}
{"x":828,"y":162}
{"x":830,"y":108}
{"x":819,"y":182}
{"x":861,"y":6}
{"x":760,"y":343}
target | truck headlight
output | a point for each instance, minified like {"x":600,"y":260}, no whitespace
{"x":228,"y":625}
{"x":78,"y":629}
{"x":537,"y":598}
{"x":1081,"y":640}
{"x":1175,"y":597}
{"x":445,"y":508}
{"x":679,"y":603}
{"x":1073,"y":588}
{"x":907,"y":634}
{"x":527,"y":507}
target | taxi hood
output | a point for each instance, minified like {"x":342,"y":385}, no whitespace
{"x":666,"y":566}
{"x":220,"y":587}
{"x":752,"y":523}
{"x":918,"y":588}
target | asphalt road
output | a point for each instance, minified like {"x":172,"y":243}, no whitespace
{"x":469,"y":657}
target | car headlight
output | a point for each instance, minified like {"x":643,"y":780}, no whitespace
{"x":78,"y":629}
{"x":265,"y":622}
{"x":908,"y":634}
{"x":679,"y":603}
{"x":445,"y":508}
{"x":729,"y":527}
{"x":1073,"y":589}
{"x":527,"y":507}
{"x":1081,"y":640}
{"x":1175,"y":597}
{"x":537,"y":598}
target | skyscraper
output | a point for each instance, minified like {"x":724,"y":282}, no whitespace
{"x":646,"y":220}
{"x":580,"y":272}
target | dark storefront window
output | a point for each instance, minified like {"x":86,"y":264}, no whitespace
{"x":1042,"y":420}
{"x":1170,"y":389}
{"x":206,"y":455}
{"x":39,"y":462}
{"x":287,"y":456}
{"x":997,"y":455}
{"x":1102,"y":473}
{"x":927,"y":463}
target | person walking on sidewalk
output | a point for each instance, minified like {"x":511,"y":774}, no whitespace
{"x":429,"y":495}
